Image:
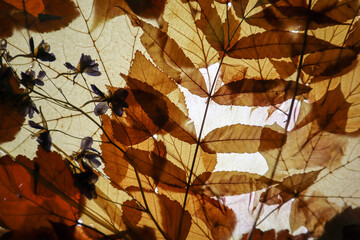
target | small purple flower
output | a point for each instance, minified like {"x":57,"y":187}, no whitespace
{"x":88,"y":153}
{"x":85,"y":182}
{"x":28,"y":79}
{"x":43,"y":136}
{"x":41,"y":52}
{"x":85,"y":65}
{"x":114,"y":100}
{"x":27,"y":106}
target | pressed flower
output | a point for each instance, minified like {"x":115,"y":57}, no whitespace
{"x":115,"y":101}
{"x":41,"y":52}
{"x":85,"y":182}
{"x":87,"y":153}
{"x":27,"y":106}
{"x":43,"y":136}
{"x":85,"y":65}
{"x":28,"y":79}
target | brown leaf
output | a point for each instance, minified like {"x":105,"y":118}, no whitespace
{"x":352,"y":40}
{"x":116,"y":166}
{"x":11,"y":121}
{"x":283,"y":68}
{"x":135,"y":126}
{"x":240,"y":7}
{"x":167,"y":54}
{"x":166,"y":212}
{"x":257,"y":234}
{"x":156,"y":166}
{"x":229,"y":183}
{"x":210,"y":24}
{"x":276,"y":44}
{"x":220,"y":219}
{"x":162,"y":111}
{"x":147,"y":9}
{"x":339,"y":10}
{"x":331,"y":62}
{"x":240,"y":138}
{"x":290,"y":18}
{"x":252,"y":92}
{"x":289,"y":188}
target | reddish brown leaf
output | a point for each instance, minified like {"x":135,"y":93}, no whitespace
{"x":252,"y":92}
{"x":290,"y":18}
{"x":241,"y":139}
{"x":147,"y":9}
{"x":167,"y":54}
{"x":162,"y":111}
{"x":276,"y":44}
{"x":65,"y":10}
{"x":331,"y":62}
{"x":34,"y":7}
{"x":25,"y":210}
{"x":11,"y":121}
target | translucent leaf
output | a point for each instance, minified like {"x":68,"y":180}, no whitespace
{"x":276,"y":44}
{"x":241,"y":139}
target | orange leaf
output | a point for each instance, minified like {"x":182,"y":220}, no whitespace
{"x":34,"y":7}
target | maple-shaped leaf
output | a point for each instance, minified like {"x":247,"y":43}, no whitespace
{"x":290,"y":18}
{"x":240,"y":138}
{"x":276,"y":44}
{"x":229,"y":183}
{"x":63,"y":12}
{"x":34,"y":195}
{"x":252,"y":92}
{"x":171,"y":59}
{"x":162,"y":111}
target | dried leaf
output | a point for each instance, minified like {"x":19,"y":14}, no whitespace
{"x":161,"y":111}
{"x":353,"y":40}
{"x":240,"y":7}
{"x":276,"y":44}
{"x":34,"y":7}
{"x":174,"y":221}
{"x":252,"y":92}
{"x":23,"y":209}
{"x":331,"y":62}
{"x":290,"y":18}
{"x":167,"y":54}
{"x":241,"y":139}
{"x":156,"y":166}
{"x":229,"y":183}
{"x":272,"y":235}
{"x":339,"y":10}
